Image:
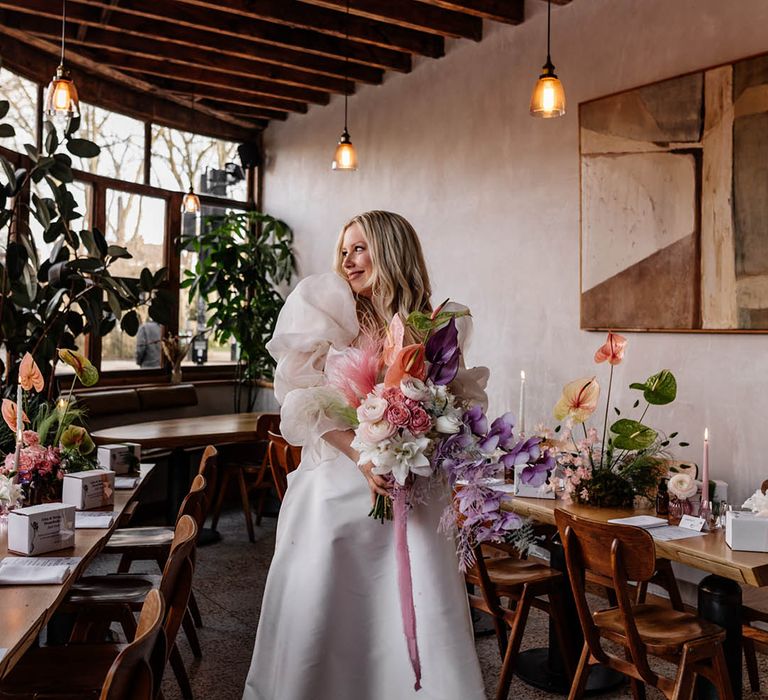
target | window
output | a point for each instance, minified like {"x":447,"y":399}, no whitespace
{"x":136,"y":215}
{"x":122,"y":144}
{"x":211,"y":166}
{"x":22,"y":113}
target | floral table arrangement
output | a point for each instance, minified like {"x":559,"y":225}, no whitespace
{"x":411,"y":408}
{"x":628,"y":458}
{"x":48,"y":441}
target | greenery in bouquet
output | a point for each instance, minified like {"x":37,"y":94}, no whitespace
{"x":628,"y":458}
{"x":43,"y":441}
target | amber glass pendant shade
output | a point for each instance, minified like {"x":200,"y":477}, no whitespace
{"x":191,"y":203}
{"x":548,"y":98}
{"x":345,"y":157}
{"x":61,"y":99}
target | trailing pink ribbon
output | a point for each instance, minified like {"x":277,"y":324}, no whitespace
{"x":404,"y":580}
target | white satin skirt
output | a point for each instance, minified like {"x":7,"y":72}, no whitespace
{"x":330,"y":625}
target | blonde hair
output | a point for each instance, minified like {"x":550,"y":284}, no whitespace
{"x":399,"y":278}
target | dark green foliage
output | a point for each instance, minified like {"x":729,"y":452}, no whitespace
{"x":46,"y":303}
{"x":242,"y":259}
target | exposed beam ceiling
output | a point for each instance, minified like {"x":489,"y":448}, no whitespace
{"x":237,"y":64}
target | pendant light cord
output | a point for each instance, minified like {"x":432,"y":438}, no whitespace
{"x":549,"y":20}
{"x":63,"y":24}
{"x":346,"y":64}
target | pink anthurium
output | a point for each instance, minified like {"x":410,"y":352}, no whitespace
{"x":30,"y":375}
{"x":612,"y":350}
{"x":10,"y":415}
{"x":579,"y":400}
{"x":393,"y":343}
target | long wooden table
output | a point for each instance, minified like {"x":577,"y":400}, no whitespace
{"x":707,"y":553}
{"x":719,"y":598}
{"x":25,"y":610}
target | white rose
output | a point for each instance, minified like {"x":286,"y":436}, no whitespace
{"x":415,"y":389}
{"x":448,"y":424}
{"x":682,"y":485}
{"x":371,"y":410}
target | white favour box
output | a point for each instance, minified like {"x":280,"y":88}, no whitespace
{"x":38,"y":529}
{"x":746,"y":532}
{"x":89,"y":489}
{"x":115,"y":457}
{"x":526,"y":491}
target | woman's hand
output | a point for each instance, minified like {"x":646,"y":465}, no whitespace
{"x":377,"y":484}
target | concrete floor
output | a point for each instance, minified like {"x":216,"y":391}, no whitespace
{"x":229,"y":582}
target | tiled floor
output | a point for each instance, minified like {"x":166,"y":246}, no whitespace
{"x":228,"y":583}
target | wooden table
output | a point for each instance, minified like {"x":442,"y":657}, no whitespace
{"x":178,"y":434}
{"x":25,"y":610}
{"x":719,"y":598}
{"x":181,"y":433}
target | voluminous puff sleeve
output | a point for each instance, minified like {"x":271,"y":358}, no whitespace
{"x":318,"y":315}
{"x":470,"y":382}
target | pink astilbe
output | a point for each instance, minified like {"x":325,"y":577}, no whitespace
{"x":355,"y":371}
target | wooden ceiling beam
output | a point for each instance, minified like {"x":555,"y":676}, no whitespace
{"x":154,"y":66}
{"x":169,"y":40}
{"x":188,"y":90}
{"x":507,"y":11}
{"x":236,"y":108}
{"x":411,"y":15}
{"x":36,"y":60}
{"x":153,"y":17}
{"x":290,"y":13}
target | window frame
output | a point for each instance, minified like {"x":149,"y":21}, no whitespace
{"x":171,"y":253}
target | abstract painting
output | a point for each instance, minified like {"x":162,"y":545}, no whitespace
{"x":674,"y":203}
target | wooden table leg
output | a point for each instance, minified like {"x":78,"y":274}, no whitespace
{"x":720,"y":602}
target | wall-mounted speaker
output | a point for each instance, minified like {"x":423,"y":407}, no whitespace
{"x":250,"y":155}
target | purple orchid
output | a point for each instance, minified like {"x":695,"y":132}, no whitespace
{"x":500,"y":434}
{"x":475,"y":420}
{"x":443,"y":354}
{"x":538,"y":463}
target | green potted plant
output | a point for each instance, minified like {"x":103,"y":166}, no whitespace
{"x":242,"y":259}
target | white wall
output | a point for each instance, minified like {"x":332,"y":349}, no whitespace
{"x":494,"y":195}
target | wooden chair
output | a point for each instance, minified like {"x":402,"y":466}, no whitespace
{"x":283,"y":459}
{"x":251,"y":475}
{"x":153,"y":543}
{"x":521,"y":582}
{"x":105,"y":671}
{"x":614,"y":555}
{"x":98,"y":600}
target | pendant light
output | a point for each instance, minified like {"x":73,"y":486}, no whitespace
{"x":62,"y":100}
{"x":191,"y":202}
{"x":345,"y":157}
{"x":548,"y":98}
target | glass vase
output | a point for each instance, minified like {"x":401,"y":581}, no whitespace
{"x":678,"y":507}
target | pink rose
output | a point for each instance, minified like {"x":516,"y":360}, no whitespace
{"x":374,"y":433}
{"x":412,"y":403}
{"x":420,"y":421}
{"x":399,"y":415}
{"x":30,"y":437}
{"x":393,"y":395}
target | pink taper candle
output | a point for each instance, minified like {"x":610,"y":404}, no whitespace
{"x":705,"y":468}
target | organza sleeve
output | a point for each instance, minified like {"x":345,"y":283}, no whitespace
{"x":318,"y":315}
{"x":470,"y":382}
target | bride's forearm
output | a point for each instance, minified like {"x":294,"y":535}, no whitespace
{"x":342,"y":440}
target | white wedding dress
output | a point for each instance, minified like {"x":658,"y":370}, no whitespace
{"x":330,"y":625}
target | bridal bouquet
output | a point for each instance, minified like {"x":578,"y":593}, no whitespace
{"x":413,"y":424}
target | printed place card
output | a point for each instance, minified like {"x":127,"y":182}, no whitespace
{"x":689,"y":522}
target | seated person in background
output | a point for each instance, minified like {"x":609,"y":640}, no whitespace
{"x":148,"y":350}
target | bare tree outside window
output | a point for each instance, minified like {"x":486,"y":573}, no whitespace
{"x":22,"y":94}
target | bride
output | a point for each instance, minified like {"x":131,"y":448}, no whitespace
{"x":330,"y":625}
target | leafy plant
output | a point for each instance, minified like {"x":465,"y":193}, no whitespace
{"x":242,"y":258}
{"x":45,"y":304}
